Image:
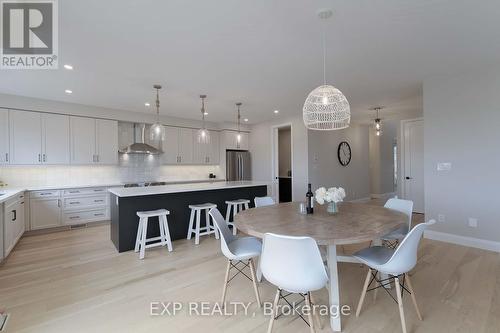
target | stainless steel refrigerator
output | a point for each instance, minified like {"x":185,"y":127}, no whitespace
{"x":238,"y":165}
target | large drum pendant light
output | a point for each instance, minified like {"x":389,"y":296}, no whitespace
{"x":326,"y":108}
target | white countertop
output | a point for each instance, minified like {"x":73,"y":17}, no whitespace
{"x":6,"y":194}
{"x":177,"y":188}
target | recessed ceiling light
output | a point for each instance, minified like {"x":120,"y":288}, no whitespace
{"x":276,"y":111}
{"x":69,"y":92}
{"x":68,"y":67}
{"x":245,"y":120}
{"x":205,"y":113}
{"x":147,"y":104}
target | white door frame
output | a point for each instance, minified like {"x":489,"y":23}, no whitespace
{"x":402,"y":158}
{"x":275,"y":158}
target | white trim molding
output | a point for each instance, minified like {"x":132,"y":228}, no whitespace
{"x":463,"y":240}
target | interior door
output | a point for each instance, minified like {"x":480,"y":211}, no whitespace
{"x":4,"y":136}
{"x":25,"y":137}
{"x":413,"y":169}
{"x":55,"y":139}
{"x":107,"y":141}
{"x":83,"y":140}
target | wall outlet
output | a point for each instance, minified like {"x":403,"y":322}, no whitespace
{"x":441,"y":218}
{"x":472,"y":222}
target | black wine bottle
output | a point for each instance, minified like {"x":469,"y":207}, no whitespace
{"x":309,"y":200}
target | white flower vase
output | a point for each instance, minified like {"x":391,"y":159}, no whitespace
{"x":332,"y":208}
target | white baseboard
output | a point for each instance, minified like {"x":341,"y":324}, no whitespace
{"x":463,"y":240}
{"x":383,"y":195}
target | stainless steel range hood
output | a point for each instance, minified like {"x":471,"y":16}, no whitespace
{"x":141,"y":147}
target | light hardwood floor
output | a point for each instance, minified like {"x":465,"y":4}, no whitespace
{"x":75,"y":281}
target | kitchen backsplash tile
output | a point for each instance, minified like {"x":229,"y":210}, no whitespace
{"x":132,"y":168}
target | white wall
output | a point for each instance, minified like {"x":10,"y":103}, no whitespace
{"x":261,"y":149}
{"x":325,"y":169}
{"x":285,"y":151}
{"x":462,"y":126}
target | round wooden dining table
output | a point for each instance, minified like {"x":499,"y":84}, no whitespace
{"x":353,"y":223}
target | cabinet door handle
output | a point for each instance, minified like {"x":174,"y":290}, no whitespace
{"x":99,"y":214}
{"x":14,"y":213}
{"x":99,"y":200}
{"x":46,"y":193}
{"x":74,"y":203}
{"x":6,"y":157}
{"x":58,"y":202}
{"x":44,"y":158}
{"x":39,"y":157}
{"x":74,"y":217}
{"x":97,"y":158}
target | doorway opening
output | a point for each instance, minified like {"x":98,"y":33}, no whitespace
{"x":412,"y":163}
{"x":282,"y":163}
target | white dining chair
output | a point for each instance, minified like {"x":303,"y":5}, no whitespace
{"x":294,"y":265}
{"x":263,"y":201}
{"x":239,"y":251}
{"x":406,"y":207}
{"x":396,"y":263}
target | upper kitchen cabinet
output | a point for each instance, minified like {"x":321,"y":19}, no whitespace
{"x":230,"y":140}
{"x":178,"y":146}
{"x":38,"y":138}
{"x":55,"y":139}
{"x":107,"y":141}
{"x":25,"y":129}
{"x":83,"y":133}
{"x":4,"y":136}
{"x":206,"y":153}
{"x":93,"y":141}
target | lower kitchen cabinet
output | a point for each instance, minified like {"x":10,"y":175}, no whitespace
{"x":55,"y":208}
{"x":45,"y":212}
{"x":13,"y":222}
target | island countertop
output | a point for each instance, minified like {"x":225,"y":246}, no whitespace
{"x":179,"y":188}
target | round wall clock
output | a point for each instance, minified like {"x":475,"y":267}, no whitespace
{"x":344,"y":153}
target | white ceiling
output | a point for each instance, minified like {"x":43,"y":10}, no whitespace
{"x":265,"y":53}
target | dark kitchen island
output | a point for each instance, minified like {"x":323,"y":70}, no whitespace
{"x":126,"y":202}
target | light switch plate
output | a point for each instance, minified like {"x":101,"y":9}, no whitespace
{"x":472,"y":222}
{"x":444,"y":166}
{"x":441,"y":218}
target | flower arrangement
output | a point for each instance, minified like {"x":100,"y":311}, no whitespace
{"x":333,"y":196}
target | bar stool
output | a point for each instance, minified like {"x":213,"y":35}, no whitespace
{"x":142,"y":230}
{"x":208,"y":229}
{"x":236,"y":206}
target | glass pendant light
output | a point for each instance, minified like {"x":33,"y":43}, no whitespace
{"x":203,"y":133}
{"x":238,"y":136}
{"x":326,"y":108}
{"x":378,"y":121}
{"x":157,"y":131}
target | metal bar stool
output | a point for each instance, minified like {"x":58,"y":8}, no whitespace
{"x":236,"y":206}
{"x":142,"y":230}
{"x":209,"y":227}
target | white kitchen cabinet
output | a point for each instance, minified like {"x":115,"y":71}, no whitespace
{"x":83,"y":133}
{"x":55,"y":139}
{"x":231,"y":140}
{"x":186,"y":146}
{"x":25,"y":131}
{"x":106,"y":141}
{"x":4,"y":136}
{"x":178,"y":147}
{"x":45,"y":211}
{"x":13,"y":222}
{"x":170,"y":146}
{"x":206,"y":153}
{"x":93,"y":141}
{"x":214,"y":148}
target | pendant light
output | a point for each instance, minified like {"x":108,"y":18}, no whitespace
{"x":326,"y":108}
{"x":203,"y":133}
{"x":238,"y":136}
{"x":378,"y":121}
{"x":157,"y":131}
